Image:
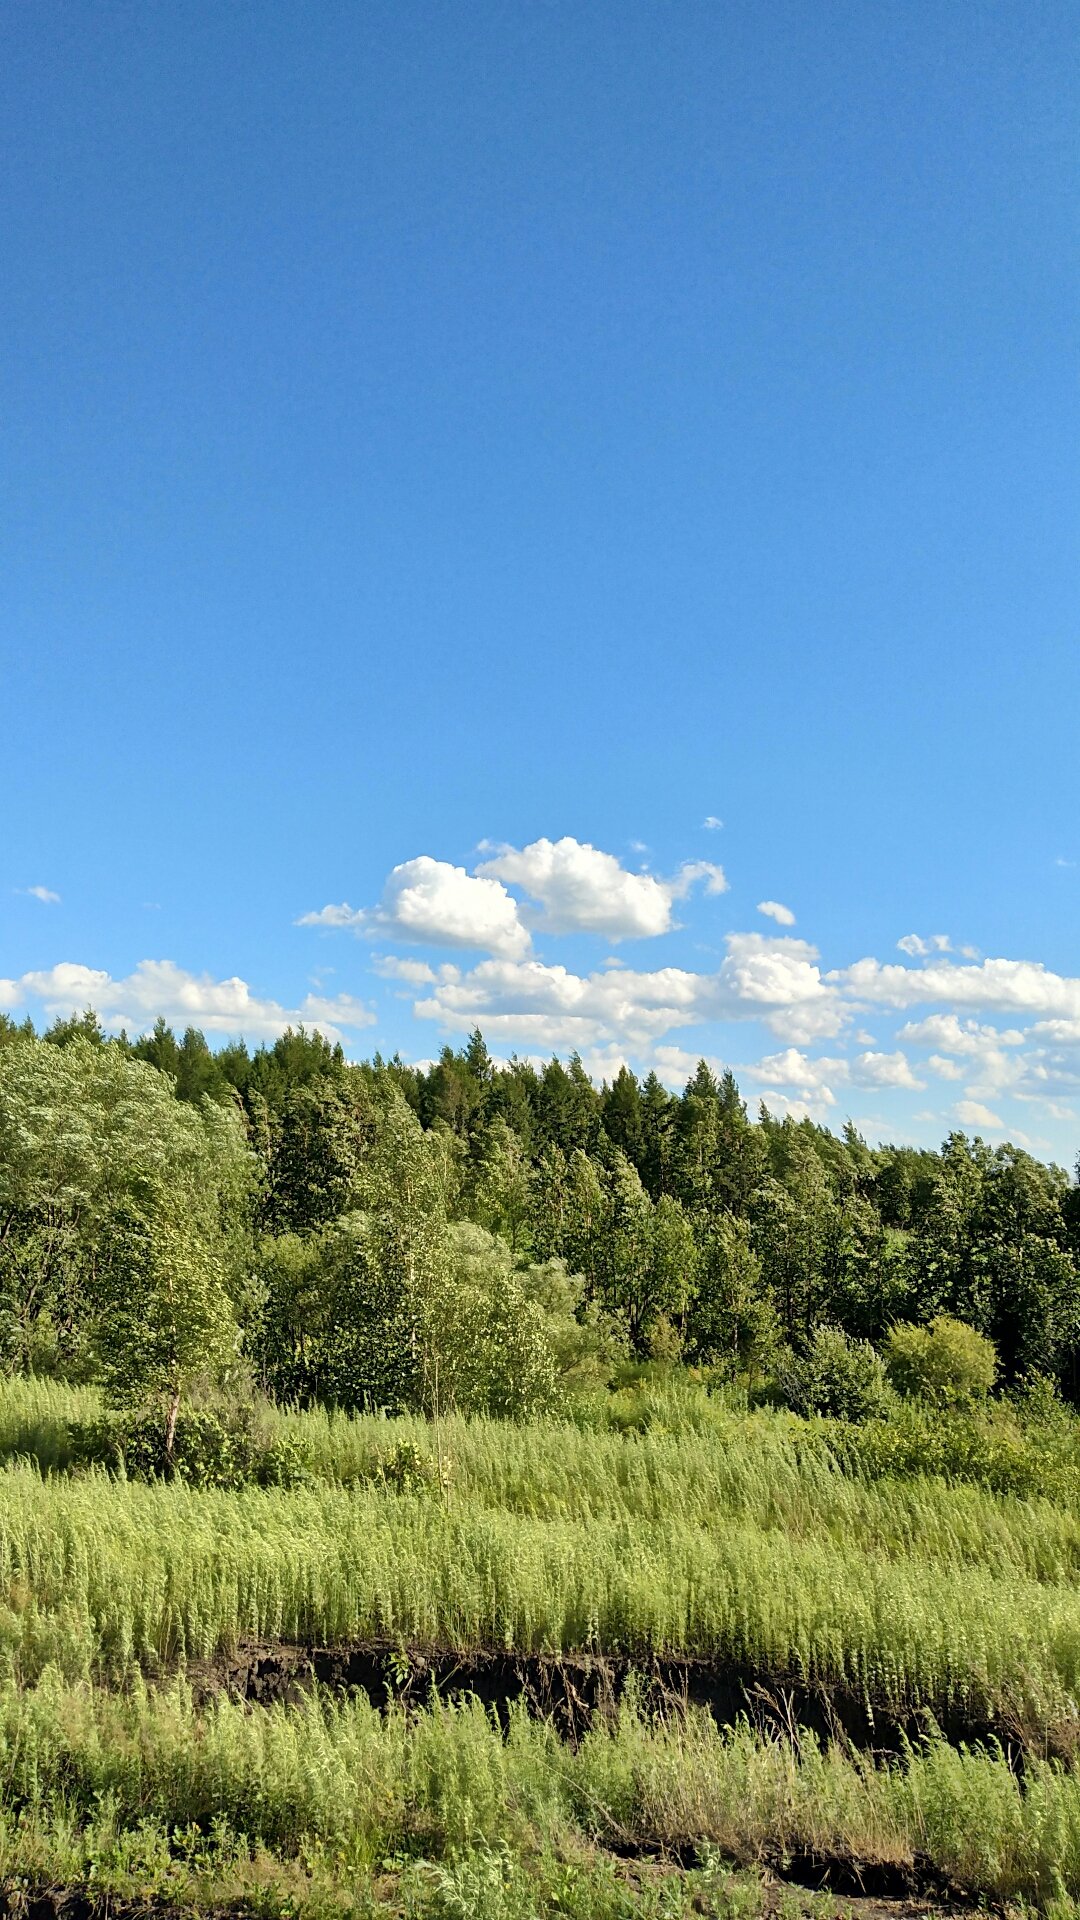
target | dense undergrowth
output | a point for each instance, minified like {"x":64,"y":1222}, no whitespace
{"x":741,"y":1538}
{"x":335,"y":1780}
{"x":682,"y":1521}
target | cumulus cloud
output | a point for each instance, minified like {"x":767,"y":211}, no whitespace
{"x":339,"y":916}
{"x":428,"y":902}
{"x":45,"y":894}
{"x":570,"y":887}
{"x":773,"y":910}
{"x":952,"y":1035}
{"x":779,"y":979}
{"x":1004,"y":986}
{"x":330,"y":1011}
{"x":184,"y":999}
{"x":971,"y":1113}
{"x":581,"y":889}
{"x":813,"y":1078}
{"x":945,"y":1068}
{"x":393,"y":966}
{"x":885,"y":1070}
{"x":532,"y":1003}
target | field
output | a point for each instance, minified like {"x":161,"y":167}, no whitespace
{"x":663,"y":1669}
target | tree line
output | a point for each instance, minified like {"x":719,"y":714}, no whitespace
{"x":476,"y":1234}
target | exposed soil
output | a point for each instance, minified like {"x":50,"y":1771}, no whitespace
{"x":571,"y":1689}
{"x":864,"y":1890}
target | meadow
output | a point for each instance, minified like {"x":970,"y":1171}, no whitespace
{"x":469,"y":1493}
{"x":746,"y":1539}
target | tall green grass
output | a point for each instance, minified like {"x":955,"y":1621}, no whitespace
{"x":768,"y":1470}
{"x":338,"y":1778}
{"x":97,"y":1574}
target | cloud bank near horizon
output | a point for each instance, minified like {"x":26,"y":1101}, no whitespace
{"x":990,"y":1043}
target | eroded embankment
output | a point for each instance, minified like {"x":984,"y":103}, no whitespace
{"x":573,"y":1690}
{"x":864,"y":1890}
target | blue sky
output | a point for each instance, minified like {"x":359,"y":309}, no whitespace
{"x":508,"y":437}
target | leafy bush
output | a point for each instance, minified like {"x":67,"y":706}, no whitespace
{"x":837,"y":1376}
{"x":947,"y":1363}
{"x":224,"y":1445}
{"x":586,"y":1343}
{"x":408,"y":1468}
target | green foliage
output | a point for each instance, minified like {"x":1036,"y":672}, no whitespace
{"x":406,"y":1467}
{"x":566,"y":1301}
{"x":213,"y":1446}
{"x":124,"y":1214}
{"x":992,"y":1249}
{"x":732,"y":1320}
{"x":484,"y":1339}
{"x":502,"y":1827}
{"x":586,"y":1343}
{"x":313,"y":1151}
{"x":162,"y":1314}
{"x":503,"y":1187}
{"x":839,"y":1377}
{"x":946,"y":1363}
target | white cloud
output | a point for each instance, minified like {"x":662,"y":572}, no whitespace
{"x":779,"y":979}
{"x":45,"y":894}
{"x":772,"y":980}
{"x":339,"y":916}
{"x":336,"y":1010}
{"x":393,"y":966}
{"x":944,"y":1068}
{"x":581,"y":889}
{"x":1007,"y":986}
{"x":945,"y":1030}
{"x":1058,"y":1033}
{"x":184,"y":999}
{"x":691,"y":871}
{"x":432,"y":903}
{"x":711,"y":823}
{"x":815,"y":1078}
{"x":971,"y":1113}
{"x":773,"y":910}
{"x":676,"y":1065}
{"x":885,"y":1070}
{"x":811,"y":1079}
{"x":572,"y":887}
{"x":918,"y":947}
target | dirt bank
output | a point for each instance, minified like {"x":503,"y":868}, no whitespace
{"x":571,"y":1689}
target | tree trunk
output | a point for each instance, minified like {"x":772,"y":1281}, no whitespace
{"x":170,"y":1430}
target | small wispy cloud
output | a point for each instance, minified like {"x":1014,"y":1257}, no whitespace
{"x":920,"y":946}
{"x":775,"y":910}
{"x":1062,"y":862}
{"x":45,"y":894}
{"x":712,"y":823}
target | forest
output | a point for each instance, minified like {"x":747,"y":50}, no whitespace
{"x":492,"y":1239}
{"x":463,"y":1490}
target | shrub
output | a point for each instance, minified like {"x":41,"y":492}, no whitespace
{"x":947,"y":1363}
{"x":408,"y":1468}
{"x":837,"y":1376}
{"x":586,"y":1343}
{"x":228,"y":1444}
